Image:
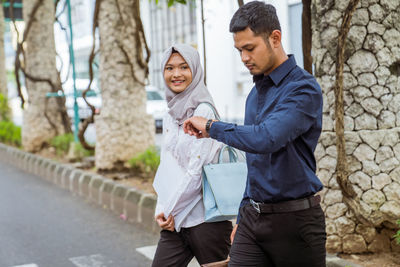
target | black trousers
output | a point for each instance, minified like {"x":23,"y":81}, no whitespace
{"x":292,"y":239}
{"x":208,"y":242}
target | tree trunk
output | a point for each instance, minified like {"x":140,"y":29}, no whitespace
{"x":357,"y":57}
{"x":3,"y":75}
{"x":40,"y":124}
{"x":306,"y":35}
{"x":123,"y":127}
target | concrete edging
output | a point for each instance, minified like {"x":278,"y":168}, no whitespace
{"x":129,"y":203}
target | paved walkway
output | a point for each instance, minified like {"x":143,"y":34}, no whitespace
{"x":128,"y":203}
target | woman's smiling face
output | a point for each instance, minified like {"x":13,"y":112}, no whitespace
{"x":177,"y":73}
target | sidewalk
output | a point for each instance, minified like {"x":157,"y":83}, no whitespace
{"x":129,"y":203}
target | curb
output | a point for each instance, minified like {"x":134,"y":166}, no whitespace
{"x":129,"y":203}
{"x":334,"y":261}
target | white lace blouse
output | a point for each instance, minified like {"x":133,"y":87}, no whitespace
{"x":178,"y":178}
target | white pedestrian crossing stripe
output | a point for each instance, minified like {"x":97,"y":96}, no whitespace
{"x":150,"y":251}
{"x":96,"y":260}
{"x":27,"y":265}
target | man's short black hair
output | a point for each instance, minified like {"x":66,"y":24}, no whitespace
{"x":260,"y":17}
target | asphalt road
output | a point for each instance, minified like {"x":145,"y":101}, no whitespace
{"x":42,"y":225}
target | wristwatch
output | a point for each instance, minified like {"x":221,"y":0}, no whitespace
{"x":208,"y":124}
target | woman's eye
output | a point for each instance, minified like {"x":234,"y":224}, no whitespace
{"x":168,"y":68}
{"x":185,"y":67}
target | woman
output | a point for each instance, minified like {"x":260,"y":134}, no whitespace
{"x":180,"y":210}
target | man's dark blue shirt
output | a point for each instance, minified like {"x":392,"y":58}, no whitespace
{"x":283,"y":122}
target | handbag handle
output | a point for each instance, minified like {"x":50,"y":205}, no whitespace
{"x":233,"y":154}
{"x":213,"y":109}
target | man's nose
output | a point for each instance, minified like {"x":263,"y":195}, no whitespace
{"x":245,"y":57}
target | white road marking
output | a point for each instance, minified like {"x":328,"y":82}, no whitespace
{"x":96,"y":260}
{"x":27,"y":265}
{"x":150,"y":251}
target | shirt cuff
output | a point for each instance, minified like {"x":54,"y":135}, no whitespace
{"x":218,"y":128}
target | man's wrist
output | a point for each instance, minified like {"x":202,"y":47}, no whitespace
{"x":209,"y":124}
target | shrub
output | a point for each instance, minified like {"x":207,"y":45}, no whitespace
{"x":397,"y":235}
{"x":61,"y":143}
{"x":4,"y":109}
{"x":147,"y":162}
{"x":10,"y":133}
{"x":81,"y":152}
{"x":65,"y":142}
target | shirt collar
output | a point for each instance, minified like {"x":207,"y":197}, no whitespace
{"x":280,"y":72}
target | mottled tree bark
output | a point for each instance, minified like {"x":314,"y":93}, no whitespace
{"x":123,"y":127}
{"x":356,"y":48}
{"x":40,"y":124}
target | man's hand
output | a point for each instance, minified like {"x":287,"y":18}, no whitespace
{"x":233,"y":233}
{"x":196,"y":126}
{"x":166,"y":224}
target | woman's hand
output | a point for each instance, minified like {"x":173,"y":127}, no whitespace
{"x":166,"y":224}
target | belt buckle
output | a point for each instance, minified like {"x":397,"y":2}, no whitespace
{"x":255,"y":205}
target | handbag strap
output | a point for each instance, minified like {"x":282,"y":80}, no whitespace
{"x":213,"y":109}
{"x":233,"y":154}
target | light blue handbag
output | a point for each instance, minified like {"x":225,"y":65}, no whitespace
{"x":223,"y":187}
{"x":223,"y":184}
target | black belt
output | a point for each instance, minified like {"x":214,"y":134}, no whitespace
{"x":287,"y":206}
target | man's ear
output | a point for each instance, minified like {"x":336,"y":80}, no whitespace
{"x":275,"y":38}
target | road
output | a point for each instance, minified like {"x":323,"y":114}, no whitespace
{"x":42,"y":225}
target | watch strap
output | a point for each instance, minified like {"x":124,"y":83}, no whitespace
{"x":208,"y":125}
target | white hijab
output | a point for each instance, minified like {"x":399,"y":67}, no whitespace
{"x":182,"y":105}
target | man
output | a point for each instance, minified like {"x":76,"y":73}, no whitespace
{"x":280,"y":221}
